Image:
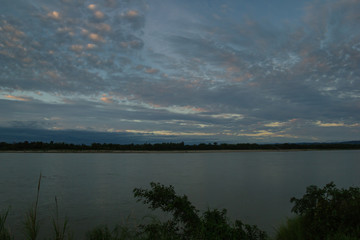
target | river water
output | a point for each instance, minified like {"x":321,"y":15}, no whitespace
{"x":96,"y":188}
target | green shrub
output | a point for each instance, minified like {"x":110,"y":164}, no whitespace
{"x":341,"y":236}
{"x":186,"y":223}
{"x":293,"y":229}
{"x":328,"y":211}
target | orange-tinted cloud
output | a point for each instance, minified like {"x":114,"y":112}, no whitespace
{"x":84,"y":31}
{"x":96,"y":37}
{"x":11,"y":29}
{"x":90,"y":46}
{"x":132,"y":13}
{"x":99,"y":14}
{"x":106,"y":99}
{"x":18,"y":98}
{"x":54,"y":15}
{"x":91,"y":6}
{"x":170,"y":133}
{"x":275,"y":124}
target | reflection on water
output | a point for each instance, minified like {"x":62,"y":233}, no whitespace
{"x":95,"y":189}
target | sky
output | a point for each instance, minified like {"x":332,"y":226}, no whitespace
{"x":227,"y":71}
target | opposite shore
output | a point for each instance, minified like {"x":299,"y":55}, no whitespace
{"x":166,"y":151}
{"x":54,"y":147}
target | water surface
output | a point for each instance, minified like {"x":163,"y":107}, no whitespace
{"x":95,"y":189}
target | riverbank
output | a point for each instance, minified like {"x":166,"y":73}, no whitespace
{"x":167,"y":152}
{"x":170,"y":147}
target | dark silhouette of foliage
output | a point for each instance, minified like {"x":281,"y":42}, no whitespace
{"x":4,"y":231}
{"x":99,"y":147}
{"x":329,"y":210}
{"x":186,"y":222}
{"x":165,"y":199}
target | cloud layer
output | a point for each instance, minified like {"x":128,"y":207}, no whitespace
{"x":228,"y":71}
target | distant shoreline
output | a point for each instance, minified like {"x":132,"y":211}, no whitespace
{"x":45,"y":147}
{"x":169,"y":151}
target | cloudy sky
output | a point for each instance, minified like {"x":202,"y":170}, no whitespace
{"x":228,"y":71}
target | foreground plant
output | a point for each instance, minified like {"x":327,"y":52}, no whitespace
{"x":4,"y":232}
{"x":324,"y":213}
{"x":293,"y":229}
{"x":61,"y":229}
{"x":186,"y":223}
{"x":118,"y":233}
{"x":31,"y":222}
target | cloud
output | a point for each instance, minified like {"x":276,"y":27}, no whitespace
{"x":18,"y":98}
{"x":175,"y":67}
{"x":262,"y":134}
{"x":54,"y":15}
{"x":131,"y":14}
{"x":134,"y":18}
{"x":96,"y":37}
{"x":170,"y":133}
{"x":339,"y":124}
{"x":92,"y":6}
{"x":151,"y":70}
{"x":99,"y":14}
{"x":275,"y":124}
{"x":102,"y":27}
{"x":90,"y":46}
{"x":77,"y":48}
{"x":106,"y":99}
{"x":228,"y":116}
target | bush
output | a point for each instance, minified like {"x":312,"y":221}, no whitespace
{"x":329,"y":211}
{"x":293,"y":229}
{"x":186,"y":222}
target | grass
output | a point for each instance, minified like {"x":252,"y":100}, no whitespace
{"x":61,"y":228}
{"x":4,"y":232}
{"x":31,"y":223}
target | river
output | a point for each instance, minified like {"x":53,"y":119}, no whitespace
{"x":96,"y":188}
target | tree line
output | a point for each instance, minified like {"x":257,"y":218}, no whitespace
{"x":62,"y":146}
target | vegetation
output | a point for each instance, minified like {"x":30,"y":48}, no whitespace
{"x":186,"y":223}
{"x":31,"y":222}
{"x":5,"y":233}
{"x":293,"y":229}
{"x":61,"y":229}
{"x":51,"y":146}
{"x":326,"y":213}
